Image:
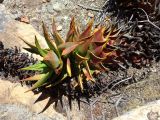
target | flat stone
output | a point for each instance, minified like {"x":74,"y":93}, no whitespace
{"x":4,"y":17}
{"x":14,"y":102}
{"x":12,"y":32}
{"x":15,"y":31}
{"x":19,"y":112}
{"x":151,"y":111}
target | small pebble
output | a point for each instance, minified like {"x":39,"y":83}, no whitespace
{"x":44,"y":1}
{"x":59,"y":28}
{"x":24,"y":19}
{"x":90,"y":15}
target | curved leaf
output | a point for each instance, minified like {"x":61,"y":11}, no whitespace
{"x":69,"y":67}
{"x":32,"y":49}
{"x":88,"y":71}
{"x":52,"y":60}
{"x":99,"y":36}
{"x":68,"y":47}
{"x":60,"y":79}
{"x":42,"y":52}
{"x":41,"y":81}
{"x":96,"y":59}
{"x":36,"y":67}
{"x":71,"y":32}
{"x":80,"y":82}
{"x":55,"y":34}
{"x":80,"y":58}
{"x":84,"y":47}
{"x":87,"y":75}
{"x":49,"y":41}
{"x":87,"y":32}
{"x":34,"y":78}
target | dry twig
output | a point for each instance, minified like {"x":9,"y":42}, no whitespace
{"x":147,"y":20}
{"x":88,"y":8}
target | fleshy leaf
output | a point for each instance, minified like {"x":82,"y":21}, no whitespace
{"x":97,"y":50}
{"x":73,"y":33}
{"x":96,"y":59}
{"x":70,"y":35}
{"x":69,"y":67}
{"x":32,"y":49}
{"x":69,"y":47}
{"x":88,"y":30}
{"x":80,"y":58}
{"x":52,"y":60}
{"x":108,"y":36}
{"x":50,"y":42}
{"x":34,"y":78}
{"x":80,"y":82}
{"x":88,"y":70}
{"x":88,"y":77}
{"x":60,"y":79}
{"x":36,"y":67}
{"x":42,"y":81}
{"x":55,"y":34}
{"x":83,"y":48}
{"x":42,"y":52}
{"x":99,"y":36}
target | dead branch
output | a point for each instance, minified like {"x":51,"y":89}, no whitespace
{"x":88,"y":8}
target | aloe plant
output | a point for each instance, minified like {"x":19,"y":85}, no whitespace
{"x":75,"y":58}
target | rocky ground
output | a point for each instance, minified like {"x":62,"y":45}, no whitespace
{"x":62,"y":10}
{"x":17,"y":105}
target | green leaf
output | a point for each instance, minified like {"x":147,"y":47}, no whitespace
{"x":36,"y":67}
{"x":32,"y":49}
{"x":50,"y":42}
{"x":52,"y":60}
{"x":42,"y":52}
{"x":41,"y":81}
{"x":34,"y":78}
{"x":60,"y":79}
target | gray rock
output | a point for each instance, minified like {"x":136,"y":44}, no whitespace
{"x":17,"y":105}
{"x":19,"y":112}
{"x":150,"y":111}
{"x":58,"y":9}
{"x":4,"y":17}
